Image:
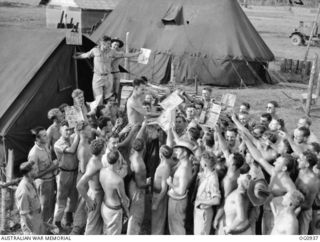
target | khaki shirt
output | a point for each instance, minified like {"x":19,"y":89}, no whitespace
{"x":27,"y":199}
{"x":208,"y":186}
{"x":42,"y":158}
{"x":67,"y":161}
{"x":103,"y":59}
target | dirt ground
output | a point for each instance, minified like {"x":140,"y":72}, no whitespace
{"x":273,"y":23}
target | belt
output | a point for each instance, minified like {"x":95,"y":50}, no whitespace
{"x":74,"y":170}
{"x":48,"y":179}
{"x":116,"y":207}
{"x":155,"y":190}
{"x":114,"y":72}
{"x":240,"y":231}
{"x":36,"y":211}
{"x":102,"y":74}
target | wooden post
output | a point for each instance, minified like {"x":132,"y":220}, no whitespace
{"x":310,"y":87}
{"x":196,"y":84}
{"x":318,"y":86}
{"x":311,"y":34}
{"x":173,"y":73}
{"x":9,"y":177}
{"x":126,"y":60}
{"x":3,"y":190}
{"x":76,"y":67}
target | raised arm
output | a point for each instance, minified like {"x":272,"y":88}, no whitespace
{"x":73,"y":148}
{"x":257,"y":156}
{"x":222,"y":143}
{"x":296,"y":148}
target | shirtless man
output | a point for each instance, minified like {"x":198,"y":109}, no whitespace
{"x":83,"y":155}
{"x":115,"y":199}
{"x":308,"y":183}
{"x":236,"y":208}
{"x":306,"y":122}
{"x":285,"y":221}
{"x":280,"y":181}
{"x":229,"y":183}
{"x":137,"y":187}
{"x":135,"y":111}
{"x":299,"y":142}
{"x":93,"y":198}
{"x":178,"y":188}
{"x":272,"y":109}
{"x":53,"y":132}
{"x":121,"y":167}
{"x":208,"y":195}
{"x":160,"y":187}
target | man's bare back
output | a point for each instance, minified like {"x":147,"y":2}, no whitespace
{"x":162,"y":173}
{"x":308,"y":184}
{"x":111,"y":182}
{"x":83,"y":155}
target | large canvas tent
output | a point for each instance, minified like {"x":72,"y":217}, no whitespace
{"x":37,"y":73}
{"x":212,"y":40}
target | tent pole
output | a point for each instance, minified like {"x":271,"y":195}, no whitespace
{"x":3,"y":160}
{"x":310,"y":87}
{"x":311,"y":34}
{"x":242,"y":83}
{"x":76,"y":67}
{"x":126,"y":60}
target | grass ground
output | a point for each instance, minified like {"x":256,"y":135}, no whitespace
{"x":273,"y":23}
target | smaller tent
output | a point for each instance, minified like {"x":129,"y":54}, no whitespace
{"x":89,"y":13}
{"x":37,"y":73}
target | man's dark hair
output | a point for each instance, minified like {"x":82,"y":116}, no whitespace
{"x":232,"y":129}
{"x":64,"y":123}
{"x":316,"y":147}
{"x":113,"y":157}
{"x":271,"y":136}
{"x":182,"y":117}
{"x":199,"y":102}
{"x":144,"y":78}
{"x":146,"y":103}
{"x":138,"y":144}
{"x":194,"y":132}
{"x":209,"y":139}
{"x":274,"y":103}
{"x":310,"y":157}
{"x":247,"y":105}
{"x":267,"y":116}
{"x":137,"y":82}
{"x":98,"y":110}
{"x":306,"y":131}
{"x":62,"y":107}
{"x":289,"y":161}
{"x":96,"y":146}
{"x":36,"y":132}
{"x":238,"y":160}
{"x":103,"y":122}
{"x":245,"y":168}
{"x":106,"y":38}
{"x":191,"y":105}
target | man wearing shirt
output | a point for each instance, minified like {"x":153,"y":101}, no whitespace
{"x":41,"y":156}
{"x":103,"y":56}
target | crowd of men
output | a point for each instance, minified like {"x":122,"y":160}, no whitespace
{"x":242,"y":176}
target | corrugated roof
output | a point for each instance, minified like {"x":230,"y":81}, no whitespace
{"x":87,"y":4}
{"x":23,"y":52}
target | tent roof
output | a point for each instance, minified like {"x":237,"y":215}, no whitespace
{"x":87,"y":4}
{"x":23,"y":52}
{"x":218,"y":29}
